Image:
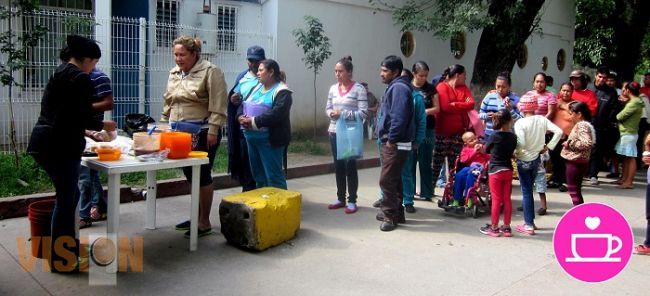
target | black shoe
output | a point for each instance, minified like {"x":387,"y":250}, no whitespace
{"x":377,"y":203}
{"x":201,"y":233}
{"x":387,"y":226}
{"x":409,"y":209}
{"x":380,"y":217}
{"x":612,"y":175}
{"x":552,"y":184}
{"x":183,"y":225}
{"x":563,"y":188}
{"x":541,"y":211}
{"x":520,"y":209}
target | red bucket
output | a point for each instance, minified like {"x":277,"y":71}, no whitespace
{"x":40,"y":222}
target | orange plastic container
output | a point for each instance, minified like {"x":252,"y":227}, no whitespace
{"x":107,"y":154}
{"x":178,"y":143}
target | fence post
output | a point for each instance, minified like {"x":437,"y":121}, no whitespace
{"x":141,"y":65}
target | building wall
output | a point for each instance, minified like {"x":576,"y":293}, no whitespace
{"x":368,"y":37}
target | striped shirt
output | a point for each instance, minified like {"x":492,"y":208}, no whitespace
{"x":102,"y":88}
{"x":352,"y":103}
{"x":543,"y":101}
{"x":494,"y":103}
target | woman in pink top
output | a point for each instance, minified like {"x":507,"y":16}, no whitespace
{"x":546,"y":100}
{"x":455,"y":100}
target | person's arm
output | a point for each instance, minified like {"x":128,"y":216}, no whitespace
{"x":436,"y":106}
{"x":519,"y":132}
{"x":167,"y":100}
{"x":483,"y":111}
{"x":630,"y":109}
{"x":329,"y":107}
{"x":420,"y":120}
{"x":278,"y":113}
{"x":362,"y":104}
{"x":217,"y":100}
{"x":583,"y":140}
{"x":467,"y":101}
{"x":106,"y":104}
{"x":401,"y":114}
{"x":103,"y":91}
{"x":552,"y":107}
{"x":557,"y":134}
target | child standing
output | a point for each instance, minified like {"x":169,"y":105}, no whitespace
{"x":472,"y":156}
{"x":540,"y":182}
{"x":501,"y":145}
{"x":531,"y":132}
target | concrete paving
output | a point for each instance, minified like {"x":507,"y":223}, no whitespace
{"x":337,"y":254}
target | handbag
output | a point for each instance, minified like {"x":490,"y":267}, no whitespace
{"x":349,"y":138}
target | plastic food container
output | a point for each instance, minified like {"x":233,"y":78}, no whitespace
{"x":143,"y":143}
{"x":178,"y":143}
{"x":198,"y":154}
{"x":108,"y":153}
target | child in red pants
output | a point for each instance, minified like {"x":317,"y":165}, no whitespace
{"x":501,"y":147}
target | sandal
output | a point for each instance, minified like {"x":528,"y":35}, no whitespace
{"x":642,"y":250}
{"x":85,"y":223}
{"x":541,"y":211}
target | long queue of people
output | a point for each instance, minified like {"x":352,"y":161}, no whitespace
{"x":417,"y":122}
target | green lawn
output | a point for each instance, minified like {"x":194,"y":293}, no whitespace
{"x":36,"y":180}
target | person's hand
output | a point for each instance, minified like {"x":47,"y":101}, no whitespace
{"x":565,"y":144}
{"x":235,"y":98}
{"x":212,"y":140}
{"x":646,"y":159}
{"x":491,"y":115}
{"x":508,"y":103}
{"x":109,"y":125}
{"x":246,"y":121}
{"x":544,"y":150}
{"x":389,"y":145}
{"x":335,"y":114}
{"x":478,"y":147}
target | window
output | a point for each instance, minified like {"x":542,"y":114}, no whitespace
{"x":544,"y":63}
{"x":166,"y":19}
{"x":561,"y":59}
{"x":458,"y":45}
{"x":407,"y":44}
{"x":522,"y":56}
{"x":227,"y":26}
{"x":67,"y":4}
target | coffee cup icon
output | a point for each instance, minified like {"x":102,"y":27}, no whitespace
{"x":594,"y":251}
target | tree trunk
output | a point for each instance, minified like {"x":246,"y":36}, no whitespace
{"x":315,"y":106}
{"x":14,"y":144}
{"x":497,"y":49}
{"x":628,"y":35}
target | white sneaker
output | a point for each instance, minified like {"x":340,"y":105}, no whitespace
{"x":594,"y":181}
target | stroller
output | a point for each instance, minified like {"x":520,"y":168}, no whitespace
{"x":477,"y":200}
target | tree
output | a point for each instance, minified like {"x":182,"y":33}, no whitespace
{"x":510,"y":22}
{"x":611,"y":32}
{"x":316,"y":47}
{"x":14,"y":49}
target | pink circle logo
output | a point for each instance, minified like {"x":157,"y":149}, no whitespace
{"x":593,"y":242}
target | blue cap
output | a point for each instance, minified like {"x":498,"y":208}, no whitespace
{"x":255,"y":53}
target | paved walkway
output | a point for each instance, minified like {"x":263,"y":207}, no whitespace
{"x":338,"y":254}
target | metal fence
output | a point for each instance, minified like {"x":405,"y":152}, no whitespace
{"x":139,"y":63}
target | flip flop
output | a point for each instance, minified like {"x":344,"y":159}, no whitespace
{"x":642,"y":250}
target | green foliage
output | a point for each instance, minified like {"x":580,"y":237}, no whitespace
{"x":594,"y":43}
{"x":307,"y":147}
{"x":314,"y":43}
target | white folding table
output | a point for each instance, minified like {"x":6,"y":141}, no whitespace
{"x":128,"y":164}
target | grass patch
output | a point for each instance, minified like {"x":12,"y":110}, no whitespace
{"x":38,"y":181}
{"x":307,"y":147}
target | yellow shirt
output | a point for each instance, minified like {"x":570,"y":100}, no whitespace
{"x":198,"y":96}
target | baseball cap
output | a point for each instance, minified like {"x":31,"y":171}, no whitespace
{"x":255,"y":53}
{"x":577,"y":74}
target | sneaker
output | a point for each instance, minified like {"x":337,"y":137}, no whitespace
{"x":201,"y":233}
{"x":642,"y":250}
{"x":376,"y":204}
{"x":594,"y":181}
{"x":337,"y":205}
{"x":488,"y":230}
{"x":351,"y":208}
{"x":96,"y":215}
{"x":455,"y":203}
{"x":506,"y":231}
{"x":183,"y":225}
{"x":563,"y":188}
{"x":409,"y":209}
{"x":541,"y":211}
{"x":387,"y":226}
{"x":552,"y":184}
{"x":526,"y":229}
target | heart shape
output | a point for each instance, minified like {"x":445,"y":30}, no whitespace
{"x":592,"y":222}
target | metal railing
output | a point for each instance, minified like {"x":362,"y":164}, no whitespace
{"x":139,"y":67}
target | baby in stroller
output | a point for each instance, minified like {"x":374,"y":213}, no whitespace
{"x":470,"y":168}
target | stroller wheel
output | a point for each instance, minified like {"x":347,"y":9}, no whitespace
{"x":475,"y":211}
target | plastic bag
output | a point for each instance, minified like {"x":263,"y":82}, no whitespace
{"x":136,"y":122}
{"x":475,"y":123}
{"x":349,"y":138}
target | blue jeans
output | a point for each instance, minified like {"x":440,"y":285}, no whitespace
{"x":64,"y":174}
{"x":647,"y":214}
{"x":425,"y":157}
{"x":91,"y":192}
{"x":463,"y":180}
{"x":408,"y":179}
{"x":527,"y":172}
{"x":266,"y":162}
{"x":347,"y":176}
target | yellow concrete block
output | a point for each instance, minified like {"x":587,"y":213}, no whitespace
{"x":261,"y":218}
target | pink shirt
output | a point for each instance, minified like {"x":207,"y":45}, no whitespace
{"x":543,"y":101}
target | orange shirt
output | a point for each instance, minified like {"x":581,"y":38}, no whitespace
{"x":562,"y":117}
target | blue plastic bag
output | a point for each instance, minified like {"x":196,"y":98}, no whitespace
{"x":349,"y":138}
